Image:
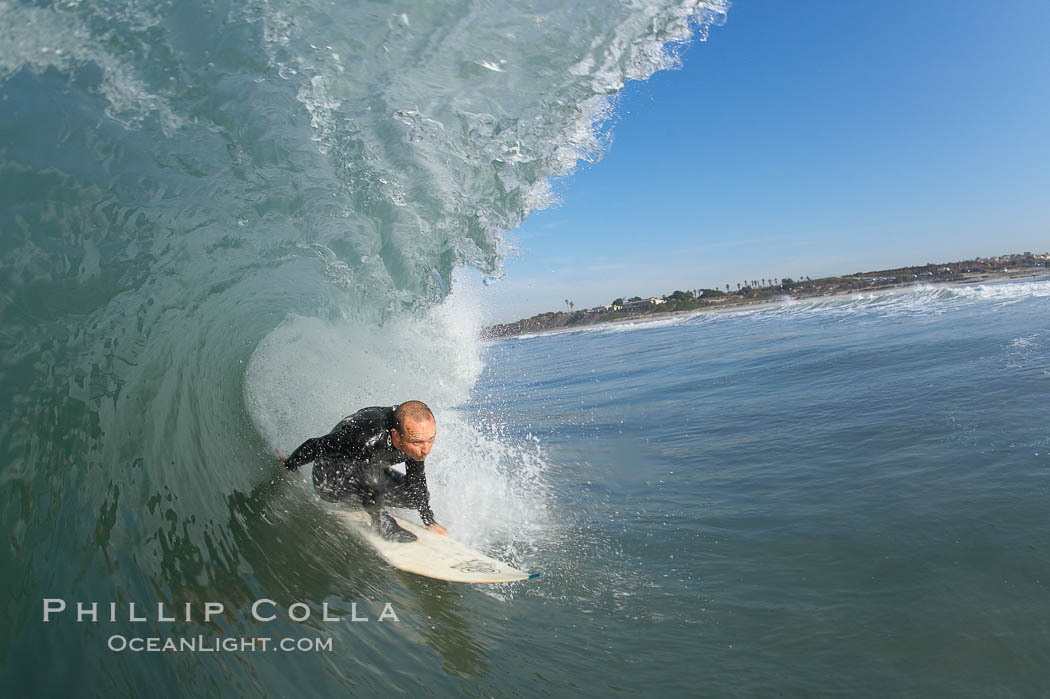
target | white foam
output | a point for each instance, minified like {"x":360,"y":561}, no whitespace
{"x":917,"y":299}
{"x":307,"y":374}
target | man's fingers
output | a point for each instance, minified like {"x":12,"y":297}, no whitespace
{"x":280,"y":455}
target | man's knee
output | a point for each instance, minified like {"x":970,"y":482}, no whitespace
{"x":342,"y":490}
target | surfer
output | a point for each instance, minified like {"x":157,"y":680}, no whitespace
{"x":352,"y":462}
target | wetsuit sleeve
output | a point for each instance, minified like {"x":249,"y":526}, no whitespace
{"x":416,"y":490}
{"x":313,"y":448}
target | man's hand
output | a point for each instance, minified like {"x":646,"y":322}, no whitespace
{"x":437,"y":529}
{"x":280,"y":456}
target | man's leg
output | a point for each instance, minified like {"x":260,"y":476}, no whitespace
{"x":340,"y":482}
{"x":377,"y":494}
{"x":331,"y":481}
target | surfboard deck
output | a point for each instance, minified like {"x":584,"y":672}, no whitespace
{"x":433,"y":555}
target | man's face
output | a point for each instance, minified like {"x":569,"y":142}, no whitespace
{"x":417,"y":440}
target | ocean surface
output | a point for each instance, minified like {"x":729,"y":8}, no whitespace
{"x":226,"y":225}
{"x":844,"y":496}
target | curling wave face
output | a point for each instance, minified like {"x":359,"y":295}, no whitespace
{"x":214,"y":210}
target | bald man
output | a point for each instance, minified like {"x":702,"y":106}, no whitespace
{"x":352,"y":463}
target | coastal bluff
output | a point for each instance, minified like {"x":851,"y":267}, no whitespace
{"x":974,"y":271}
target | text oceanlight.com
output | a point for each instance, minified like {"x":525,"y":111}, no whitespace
{"x":200,"y":644}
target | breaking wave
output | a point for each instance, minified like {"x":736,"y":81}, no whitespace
{"x":227,"y":225}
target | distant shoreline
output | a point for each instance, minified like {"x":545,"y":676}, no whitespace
{"x":561,"y":321}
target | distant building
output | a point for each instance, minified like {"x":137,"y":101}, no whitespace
{"x":643,"y":304}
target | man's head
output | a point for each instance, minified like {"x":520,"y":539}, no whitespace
{"x":415,"y":431}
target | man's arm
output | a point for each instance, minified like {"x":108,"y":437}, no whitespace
{"x":416,"y":489}
{"x":311,"y":449}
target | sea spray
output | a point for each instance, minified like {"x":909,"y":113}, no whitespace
{"x":308,"y":374}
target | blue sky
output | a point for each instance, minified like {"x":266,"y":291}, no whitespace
{"x":806,"y":138}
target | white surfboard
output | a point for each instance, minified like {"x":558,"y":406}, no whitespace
{"x":433,"y":555}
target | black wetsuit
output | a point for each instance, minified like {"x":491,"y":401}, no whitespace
{"x":353,"y":462}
